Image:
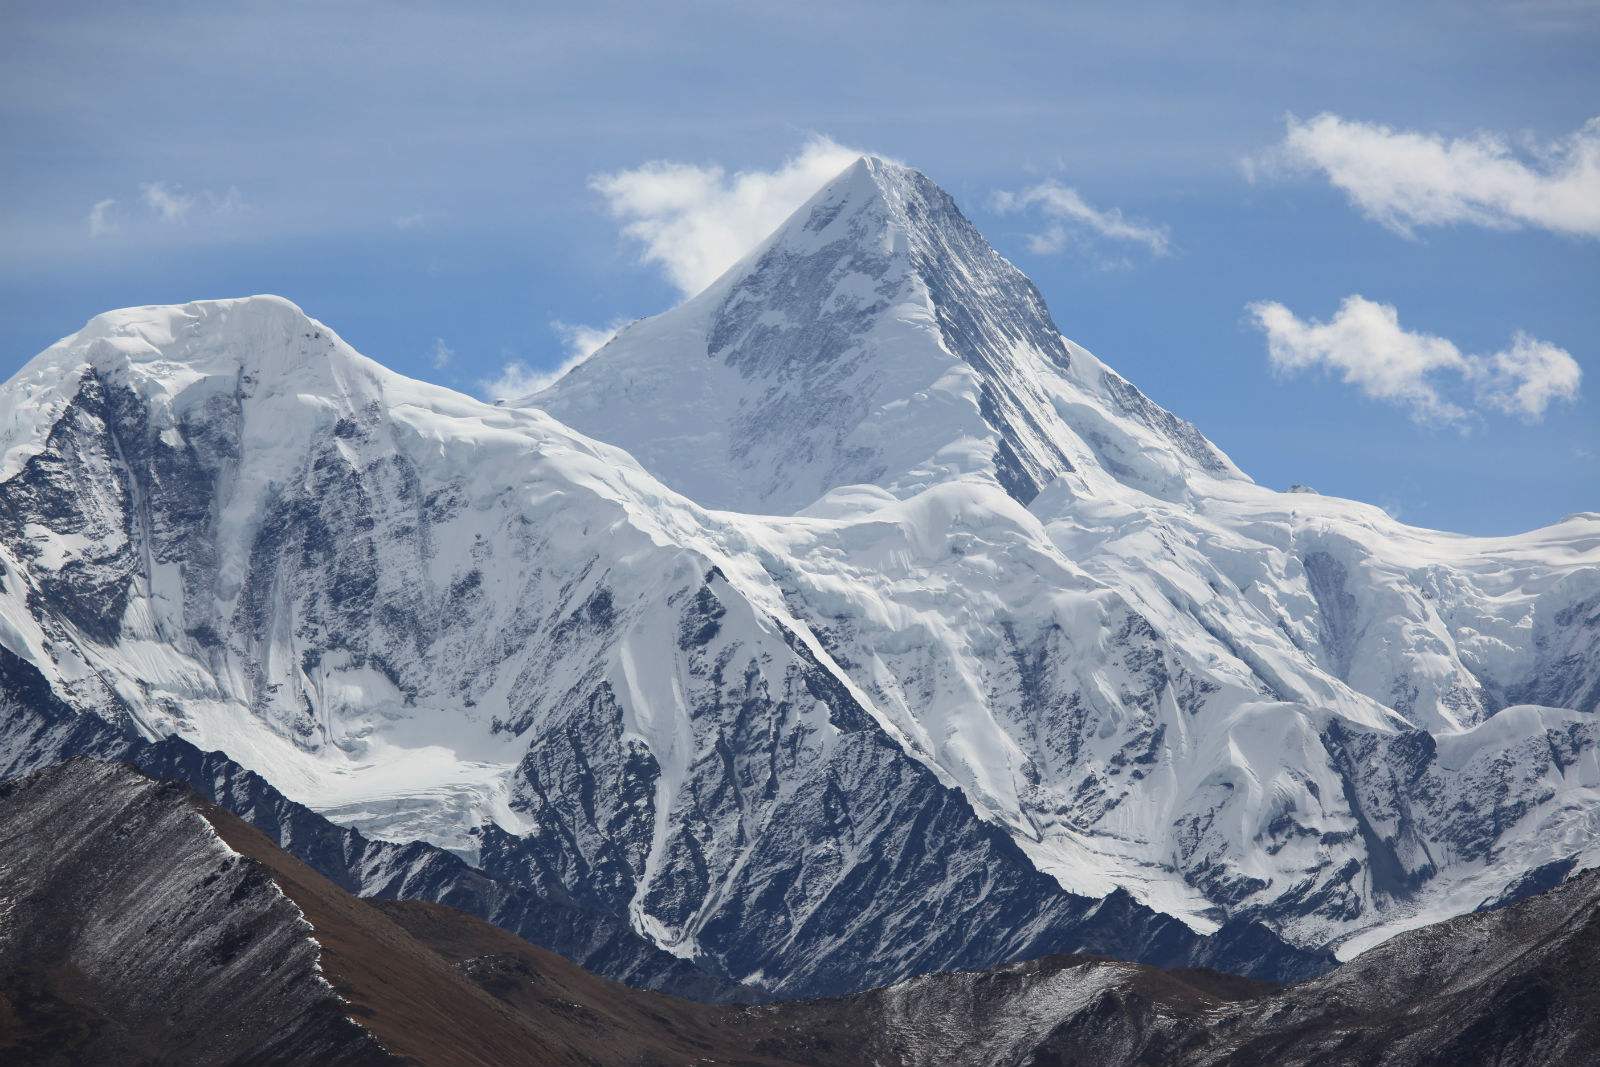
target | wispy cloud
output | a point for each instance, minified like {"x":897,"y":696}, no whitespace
{"x":584,"y":341}
{"x":697,"y":221}
{"x":516,"y":379}
{"x":167,"y":201}
{"x":1367,"y":347}
{"x":1406,"y":180}
{"x":410,"y":222}
{"x":100,"y":219}
{"x":1069,"y":219}
{"x":1527,"y":378}
{"x":442,"y":354}
{"x":170,"y":203}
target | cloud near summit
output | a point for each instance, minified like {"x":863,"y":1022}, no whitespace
{"x":695,"y":221}
{"x":1069,"y":218}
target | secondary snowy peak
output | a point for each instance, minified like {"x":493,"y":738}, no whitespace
{"x":875,"y":337}
{"x":252,"y":345}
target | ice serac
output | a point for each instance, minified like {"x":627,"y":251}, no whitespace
{"x":1154,"y":673}
{"x":428,"y":617}
{"x":875,"y":338}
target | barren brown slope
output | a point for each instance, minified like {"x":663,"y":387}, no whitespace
{"x":443,"y":988}
{"x":129,"y":934}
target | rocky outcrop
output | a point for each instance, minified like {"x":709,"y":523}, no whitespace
{"x":132,"y":933}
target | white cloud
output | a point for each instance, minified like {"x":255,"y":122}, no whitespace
{"x":1526,"y":378}
{"x":517,"y":379}
{"x":1070,"y":215}
{"x":1404,"y":179}
{"x":584,"y":341}
{"x":409,"y":222}
{"x":697,"y":221}
{"x":228,"y":202}
{"x":1365,"y":345}
{"x":99,"y":218}
{"x":168,"y":201}
{"x":442,"y":354}
{"x":171,"y":204}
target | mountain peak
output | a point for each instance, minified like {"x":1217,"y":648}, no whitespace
{"x":875,"y":337}
{"x":258,"y":335}
{"x":184,"y":354}
{"x":878,"y":204}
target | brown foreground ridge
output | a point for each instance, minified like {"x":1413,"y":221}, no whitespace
{"x":143,"y":925}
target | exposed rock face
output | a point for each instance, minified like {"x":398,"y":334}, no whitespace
{"x":1512,"y":987}
{"x":131,"y":931}
{"x":144,"y":924}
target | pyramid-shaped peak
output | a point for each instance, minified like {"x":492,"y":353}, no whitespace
{"x":887,"y":179}
{"x":865,"y":201}
{"x":875,"y":337}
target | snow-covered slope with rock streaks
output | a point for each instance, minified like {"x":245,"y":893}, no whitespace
{"x":1154,"y":672}
{"x":428,"y":617}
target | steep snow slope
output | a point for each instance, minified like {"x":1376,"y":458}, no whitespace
{"x":429,"y":617}
{"x":875,"y":337}
{"x":1155,"y":673}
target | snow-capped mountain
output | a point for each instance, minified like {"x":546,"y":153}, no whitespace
{"x":428,"y":617}
{"x":874,"y":338}
{"x":1155,"y":673}
{"x":978,"y":636}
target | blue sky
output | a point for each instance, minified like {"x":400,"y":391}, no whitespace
{"x":425,"y":182}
